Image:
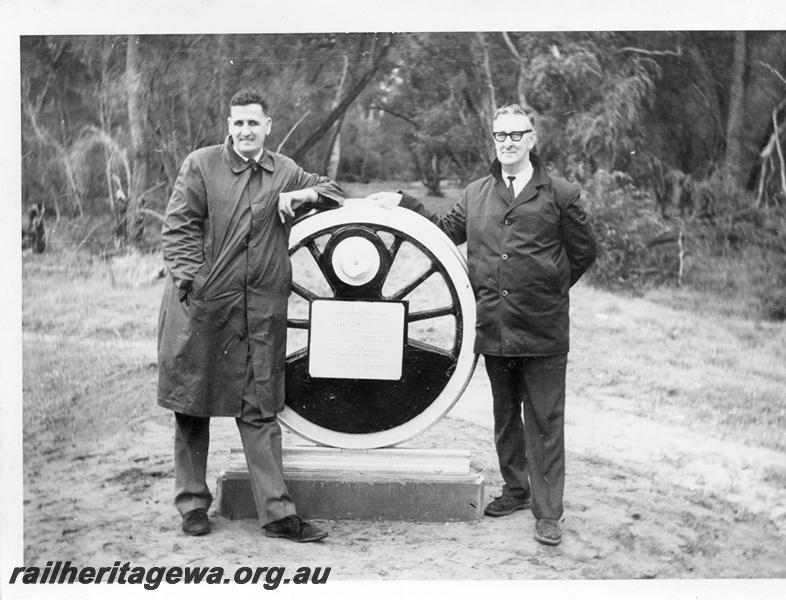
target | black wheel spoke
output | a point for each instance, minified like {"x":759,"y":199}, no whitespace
{"x":425,"y":347}
{"x":403,"y":292}
{"x":395,"y":247}
{"x":297,"y":323}
{"x":298,"y":355}
{"x":312,"y":247}
{"x":384,"y":269}
{"x":431,"y":313}
{"x":326,"y":269}
{"x":303,"y":292}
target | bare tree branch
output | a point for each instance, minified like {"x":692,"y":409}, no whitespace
{"x":677,"y":52}
{"x":780,"y":151}
{"x":513,"y":50}
{"x":148,"y":190}
{"x":292,"y":130}
{"x":377,"y":58}
{"x":93,"y":229}
{"x":154,"y":214}
{"x":395,"y":114}
{"x":333,"y":154}
{"x":487,"y":70}
{"x":766,"y":153}
{"x":31,"y":109}
{"x":520,"y":84}
{"x":773,"y":70}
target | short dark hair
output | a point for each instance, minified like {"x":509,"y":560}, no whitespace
{"x":248,"y":96}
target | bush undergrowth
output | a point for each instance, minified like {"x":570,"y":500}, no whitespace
{"x":731,"y":251}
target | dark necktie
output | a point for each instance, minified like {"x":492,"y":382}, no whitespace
{"x":254,"y":182}
{"x":511,"y":192}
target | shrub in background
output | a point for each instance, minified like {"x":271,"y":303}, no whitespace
{"x":625,"y":221}
{"x":729,"y":248}
{"x":739,"y":249}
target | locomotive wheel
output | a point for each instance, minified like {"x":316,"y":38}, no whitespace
{"x":379,"y":255}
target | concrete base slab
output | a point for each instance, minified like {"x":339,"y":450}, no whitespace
{"x":382,"y":493}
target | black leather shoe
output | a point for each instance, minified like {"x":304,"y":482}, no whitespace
{"x":294,"y":528}
{"x":196,"y":522}
{"x":547,"y":532}
{"x":506,"y":505}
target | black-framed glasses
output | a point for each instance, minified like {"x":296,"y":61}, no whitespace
{"x":514,"y":135}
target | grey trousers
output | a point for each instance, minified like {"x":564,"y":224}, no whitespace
{"x":531,"y":453}
{"x":261,"y":437}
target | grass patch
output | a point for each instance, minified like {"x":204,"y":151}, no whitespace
{"x":711,"y":373}
{"x":747,"y":284}
{"x":680,"y":355}
{"x":81,"y":295}
{"x":89,"y":344}
{"x":76,"y":387}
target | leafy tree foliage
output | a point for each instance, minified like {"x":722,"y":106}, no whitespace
{"x":655,"y":125}
{"x":149,"y":100}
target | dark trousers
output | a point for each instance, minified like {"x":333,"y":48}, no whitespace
{"x":531,"y":453}
{"x":261,"y":437}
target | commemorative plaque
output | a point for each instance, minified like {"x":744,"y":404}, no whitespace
{"x":356,"y":339}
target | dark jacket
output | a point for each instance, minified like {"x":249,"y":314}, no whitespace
{"x":223,"y":237}
{"x":523,"y":256}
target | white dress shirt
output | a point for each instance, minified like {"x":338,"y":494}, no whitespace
{"x":245,"y":158}
{"x":522,"y":178}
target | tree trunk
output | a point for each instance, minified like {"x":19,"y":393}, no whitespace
{"x":734,"y":124}
{"x":133,"y":215}
{"x":223,"y":101}
{"x":521,"y":88}
{"x":429,"y":170}
{"x":492,"y":97}
{"x":333,"y":154}
{"x":32,"y":109}
{"x":359,"y":84}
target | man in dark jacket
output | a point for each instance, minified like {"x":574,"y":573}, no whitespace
{"x":223,"y":322}
{"x":528,"y":241}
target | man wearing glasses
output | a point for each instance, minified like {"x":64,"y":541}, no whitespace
{"x":528,"y":241}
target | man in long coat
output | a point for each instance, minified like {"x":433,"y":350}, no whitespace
{"x":528,"y":241}
{"x":223,"y":322}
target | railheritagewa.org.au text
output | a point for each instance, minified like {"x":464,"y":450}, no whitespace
{"x":150,"y":578}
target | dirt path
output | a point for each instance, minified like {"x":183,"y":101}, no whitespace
{"x":651,"y":501}
{"x":680,"y":494}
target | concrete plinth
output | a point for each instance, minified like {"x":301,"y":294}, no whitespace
{"x":387,"y":484}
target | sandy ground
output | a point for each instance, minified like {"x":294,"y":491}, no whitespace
{"x":680,"y":494}
{"x":643,"y":500}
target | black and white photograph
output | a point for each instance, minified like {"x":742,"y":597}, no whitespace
{"x":435,"y":297}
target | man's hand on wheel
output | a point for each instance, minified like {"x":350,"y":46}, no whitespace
{"x":384,"y":199}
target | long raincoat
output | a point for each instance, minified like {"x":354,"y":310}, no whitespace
{"x":223,"y":234}
{"x":523,"y":254}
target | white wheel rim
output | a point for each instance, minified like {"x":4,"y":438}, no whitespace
{"x":450,"y":258}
